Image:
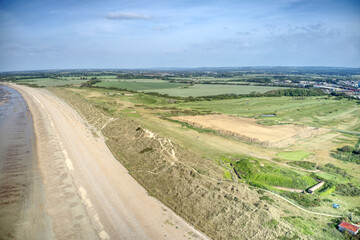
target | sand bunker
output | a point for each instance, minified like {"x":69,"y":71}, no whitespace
{"x":247,"y":129}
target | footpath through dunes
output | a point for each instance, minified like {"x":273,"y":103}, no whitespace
{"x":89,"y":194}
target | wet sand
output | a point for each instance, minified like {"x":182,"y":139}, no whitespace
{"x":22,"y":212}
{"x":88,"y":193}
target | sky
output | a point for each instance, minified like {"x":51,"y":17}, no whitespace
{"x":72,"y":34}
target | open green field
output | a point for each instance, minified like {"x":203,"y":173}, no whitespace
{"x":51,"y":82}
{"x":310,"y":111}
{"x":100,"y":77}
{"x":293,"y":155}
{"x":208,"y":90}
{"x":139,"y":84}
{"x":180,"y":89}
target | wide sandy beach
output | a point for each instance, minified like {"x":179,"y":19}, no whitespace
{"x":88,"y":193}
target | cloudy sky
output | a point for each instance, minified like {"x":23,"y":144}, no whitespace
{"x":58,"y":34}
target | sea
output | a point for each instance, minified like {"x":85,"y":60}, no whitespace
{"x":22,"y":213}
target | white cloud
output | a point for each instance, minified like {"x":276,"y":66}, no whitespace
{"x":127,"y":16}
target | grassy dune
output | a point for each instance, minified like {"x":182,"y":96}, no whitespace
{"x":200,"y":187}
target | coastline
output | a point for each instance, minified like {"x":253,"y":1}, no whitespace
{"x":89,"y":194}
{"x":22,"y":211}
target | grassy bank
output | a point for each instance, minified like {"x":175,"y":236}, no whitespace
{"x":195,"y":185}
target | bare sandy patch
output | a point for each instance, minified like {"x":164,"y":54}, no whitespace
{"x":247,"y":129}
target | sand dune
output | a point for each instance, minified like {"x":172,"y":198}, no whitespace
{"x":88,"y":193}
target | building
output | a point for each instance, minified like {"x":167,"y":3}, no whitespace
{"x":315,"y":187}
{"x":345,"y":226}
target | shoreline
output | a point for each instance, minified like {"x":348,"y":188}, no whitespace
{"x":23,"y":215}
{"x":90,"y":182}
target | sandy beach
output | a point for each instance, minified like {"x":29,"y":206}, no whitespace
{"x":88,"y":193}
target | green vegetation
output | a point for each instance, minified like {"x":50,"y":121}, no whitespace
{"x":272,"y":223}
{"x":348,"y":153}
{"x":147,"y":149}
{"x":294,"y":155}
{"x":200,"y":90}
{"x":303,"y":164}
{"x":327,"y":190}
{"x":331,"y":168}
{"x":190,"y":126}
{"x":302,"y":225}
{"x":348,"y":190}
{"x":139,"y":84}
{"x":311,"y":111}
{"x":213,"y":195}
{"x":270,"y":175}
{"x":267,"y":199}
{"x":49,"y":82}
{"x":303,"y":199}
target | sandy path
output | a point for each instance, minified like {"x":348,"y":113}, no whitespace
{"x":89,"y":194}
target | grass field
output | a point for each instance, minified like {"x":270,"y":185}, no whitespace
{"x":51,"y":82}
{"x":311,"y":111}
{"x":208,"y":90}
{"x":139,"y":84}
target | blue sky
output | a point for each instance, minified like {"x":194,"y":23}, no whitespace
{"x":49,"y":34}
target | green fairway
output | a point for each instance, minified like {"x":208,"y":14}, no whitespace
{"x":311,"y":111}
{"x":293,"y":155}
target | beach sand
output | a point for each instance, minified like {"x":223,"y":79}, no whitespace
{"x":88,"y":193}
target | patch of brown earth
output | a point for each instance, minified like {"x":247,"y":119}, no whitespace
{"x":247,"y":129}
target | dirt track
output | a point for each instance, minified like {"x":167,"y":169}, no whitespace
{"x":88,"y":193}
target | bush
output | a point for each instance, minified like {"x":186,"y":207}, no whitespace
{"x":267,"y":198}
{"x":148,"y":149}
{"x":348,"y":153}
{"x":348,"y":190}
{"x":346,"y":149}
{"x":331,"y":168}
{"x":303,"y":164}
{"x":302,"y":199}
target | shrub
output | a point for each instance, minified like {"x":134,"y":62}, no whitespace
{"x":331,"y":168}
{"x":303,"y":164}
{"x":148,"y":149}
{"x":348,"y":190}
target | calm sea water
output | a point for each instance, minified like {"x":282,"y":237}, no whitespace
{"x":20,"y":181}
